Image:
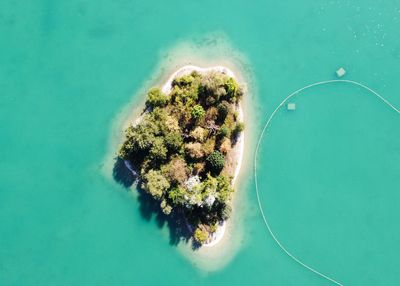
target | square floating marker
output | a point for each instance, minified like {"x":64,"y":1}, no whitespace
{"x":291,"y":106}
{"x":340,"y":72}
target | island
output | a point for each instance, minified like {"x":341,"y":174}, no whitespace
{"x":184,"y":148}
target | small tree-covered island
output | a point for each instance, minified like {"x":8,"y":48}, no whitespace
{"x":182,"y":148}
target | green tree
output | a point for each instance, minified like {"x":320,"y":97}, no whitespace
{"x":156,"y":98}
{"x":174,"y":141}
{"x":231,"y":87}
{"x":216,"y":161}
{"x":239,"y":127}
{"x":155,"y":184}
{"x":224,"y":131}
{"x":177,"y":195}
{"x":158,"y":150}
{"x":200,"y":235}
{"x":198,"y":112}
{"x":223,"y":110}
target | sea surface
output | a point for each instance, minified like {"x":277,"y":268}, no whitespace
{"x":329,"y":172}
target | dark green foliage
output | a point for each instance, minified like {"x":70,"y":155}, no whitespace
{"x":224,"y":131}
{"x":239,"y":127}
{"x":216,"y":161}
{"x":175,"y":148}
{"x":174,"y":142}
{"x":223,"y":110}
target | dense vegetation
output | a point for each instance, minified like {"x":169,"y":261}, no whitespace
{"x":180,"y":145}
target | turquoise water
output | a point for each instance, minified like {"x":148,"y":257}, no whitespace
{"x":329,"y":169}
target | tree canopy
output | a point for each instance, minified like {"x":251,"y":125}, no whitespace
{"x":180,"y":146}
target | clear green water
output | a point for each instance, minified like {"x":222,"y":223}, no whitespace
{"x":330,"y":170}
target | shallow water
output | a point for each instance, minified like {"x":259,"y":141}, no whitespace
{"x":329,"y":169}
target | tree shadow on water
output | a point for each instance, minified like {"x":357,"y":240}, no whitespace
{"x":122,"y":175}
{"x":150,"y":209}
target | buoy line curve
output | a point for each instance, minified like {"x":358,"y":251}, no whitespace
{"x":384,"y":100}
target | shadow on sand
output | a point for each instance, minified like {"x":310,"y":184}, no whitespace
{"x":150,"y":208}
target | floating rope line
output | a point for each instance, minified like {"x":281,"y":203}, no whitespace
{"x":256,"y":155}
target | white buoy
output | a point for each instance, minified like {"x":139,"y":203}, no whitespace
{"x":291,"y":106}
{"x":340,"y":72}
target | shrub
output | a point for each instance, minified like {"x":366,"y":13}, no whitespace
{"x":216,"y":161}
{"x":200,"y":235}
{"x":198,"y":112}
{"x":156,"y":98}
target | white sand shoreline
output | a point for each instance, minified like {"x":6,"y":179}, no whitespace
{"x":238,"y":149}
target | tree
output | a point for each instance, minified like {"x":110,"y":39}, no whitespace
{"x":177,"y":195}
{"x":176,"y":170}
{"x":216,"y":161}
{"x":239,"y":127}
{"x":158,"y":150}
{"x":155,"y":184}
{"x":231,"y":87}
{"x":183,"y":80}
{"x":201,"y":235}
{"x":174,"y":141}
{"x":194,"y":150}
{"x":156,"y":98}
{"x":198,"y":112}
{"x":223,"y":110}
{"x":224,"y":131}
{"x":199,"y":134}
{"x":225,"y":146}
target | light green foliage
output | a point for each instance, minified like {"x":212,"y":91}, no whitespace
{"x":156,"y":98}
{"x":198,"y":112}
{"x":158,"y":150}
{"x":155,"y":184}
{"x":224,"y":188}
{"x":178,"y":195}
{"x":231,"y":87}
{"x":216,"y":161}
{"x":200,"y":235}
{"x":183,"y":81}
